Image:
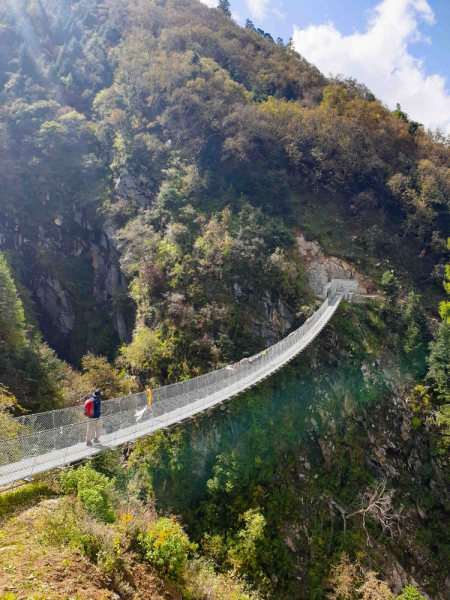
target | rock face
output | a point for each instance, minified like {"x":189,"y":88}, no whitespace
{"x":137,"y":188}
{"x":72,"y":272}
{"x":57,"y":303}
{"x":274,"y":319}
{"x":321,"y":269}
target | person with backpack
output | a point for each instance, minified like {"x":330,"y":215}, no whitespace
{"x":92,"y":410}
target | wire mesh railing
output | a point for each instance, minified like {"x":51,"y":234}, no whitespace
{"x":56,"y":419}
{"x":38,"y":442}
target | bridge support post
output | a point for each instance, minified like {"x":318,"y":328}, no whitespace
{"x":36,"y":457}
{"x":65,"y":455}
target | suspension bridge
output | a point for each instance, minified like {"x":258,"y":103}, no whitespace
{"x":37,"y":443}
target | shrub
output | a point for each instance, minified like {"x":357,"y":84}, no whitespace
{"x":71,"y":525}
{"x":245,"y":549}
{"x":93,"y":489}
{"x":420,"y":400}
{"x":410,"y":593}
{"x":416,"y":422}
{"x":8,"y":596}
{"x":167,"y":547}
{"x":65,"y":526}
{"x":203,"y":582}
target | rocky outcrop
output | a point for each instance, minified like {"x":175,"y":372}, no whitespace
{"x":321,"y":268}
{"x":56,"y":303}
{"x":274,"y":319}
{"x":134,"y":188}
{"x":397,"y":453}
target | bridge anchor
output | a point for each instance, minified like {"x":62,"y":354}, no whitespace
{"x":347,"y":287}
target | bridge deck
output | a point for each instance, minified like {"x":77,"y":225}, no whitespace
{"x":66,"y":444}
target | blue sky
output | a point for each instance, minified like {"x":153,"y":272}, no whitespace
{"x":351,"y":15}
{"x":399,"y":48}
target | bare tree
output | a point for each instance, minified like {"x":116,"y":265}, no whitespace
{"x":376,"y":503}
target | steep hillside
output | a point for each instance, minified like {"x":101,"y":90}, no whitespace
{"x":155,"y":118}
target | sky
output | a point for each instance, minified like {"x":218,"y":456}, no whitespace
{"x":399,"y":48}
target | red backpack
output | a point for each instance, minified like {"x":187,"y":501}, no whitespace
{"x":89,"y":407}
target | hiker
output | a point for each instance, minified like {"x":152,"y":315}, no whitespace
{"x":92,"y":410}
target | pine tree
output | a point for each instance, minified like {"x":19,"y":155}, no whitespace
{"x":12,"y":319}
{"x":224,"y":6}
{"x":415,"y":332}
{"x":439,"y":358}
{"x":249,"y":25}
{"x":390,"y":286}
{"x":27,"y":64}
{"x":444,"y":307}
{"x":439,"y":361}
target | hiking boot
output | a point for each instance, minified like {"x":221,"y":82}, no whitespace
{"x":88,"y":443}
{"x":96,"y":441}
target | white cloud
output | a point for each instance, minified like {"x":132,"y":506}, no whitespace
{"x":278,"y":13}
{"x":237,"y":17}
{"x":258,"y":8}
{"x":380,"y":59}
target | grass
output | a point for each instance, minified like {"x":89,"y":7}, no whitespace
{"x":32,"y":568}
{"x":58,"y":551}
{"x":22,"y":498}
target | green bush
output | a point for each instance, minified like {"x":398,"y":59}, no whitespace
{"x":245,"y":549}
{"x":71,"y":525}
{"x":8,"y":596}
{"x":93,"y":489}
{"x":202,"y":581}
{"x":410,"y":593}
{"x":167,"y":547}
{"x":416,"y":422}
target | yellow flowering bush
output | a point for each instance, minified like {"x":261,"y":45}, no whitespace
{"x":167,"y":547}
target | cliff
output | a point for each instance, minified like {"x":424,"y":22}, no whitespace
{"x":71,"y":271}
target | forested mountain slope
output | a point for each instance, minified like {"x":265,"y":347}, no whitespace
{"x":162,"y":172}
{"x":166,"y":117}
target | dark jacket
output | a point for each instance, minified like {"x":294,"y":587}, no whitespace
{"x":97,"y":407}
